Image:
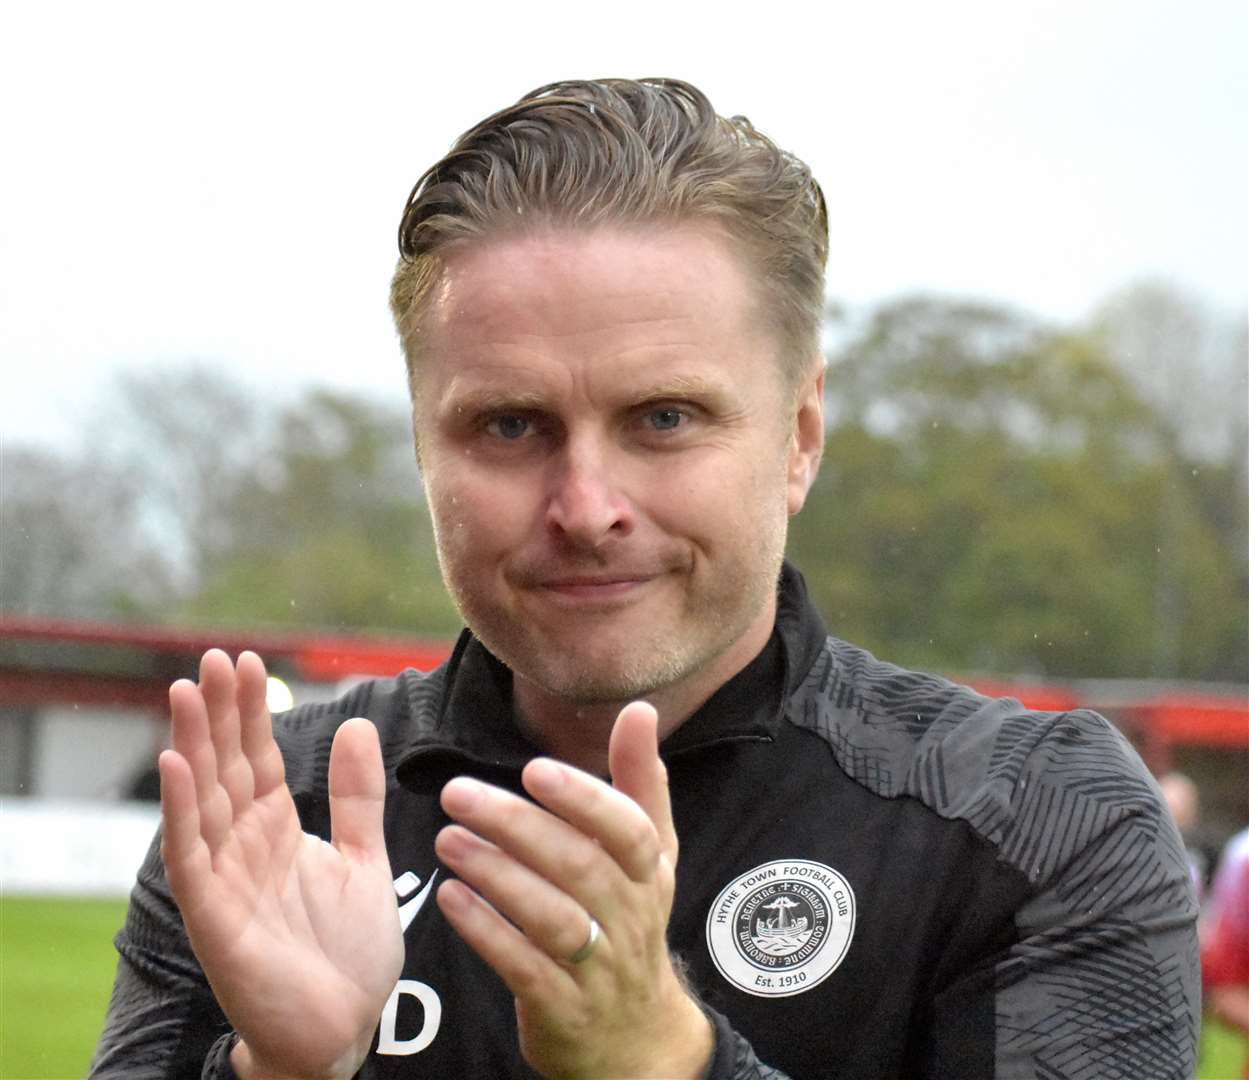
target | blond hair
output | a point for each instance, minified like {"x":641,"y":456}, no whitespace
{"x":586,"y":154}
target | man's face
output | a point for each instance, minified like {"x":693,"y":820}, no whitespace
{"x":610,"y":456}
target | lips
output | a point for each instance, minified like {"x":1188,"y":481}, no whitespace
{"x":595,"y":582}
{"x":594,"y":587}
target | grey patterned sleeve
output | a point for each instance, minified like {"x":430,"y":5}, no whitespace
{"x":734,"y":1058}
{"x":163,"y":1021}
{"x":1099,"y":979}
{"x":1103,"y":979}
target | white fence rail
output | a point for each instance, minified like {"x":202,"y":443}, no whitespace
{"x":73,"y":848}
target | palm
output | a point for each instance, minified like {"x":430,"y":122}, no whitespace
{"x":300,"y":938}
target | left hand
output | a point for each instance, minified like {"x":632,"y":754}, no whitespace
{"x":530,"y":880}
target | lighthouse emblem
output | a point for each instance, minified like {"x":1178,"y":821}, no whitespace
{"x":781,"y":928}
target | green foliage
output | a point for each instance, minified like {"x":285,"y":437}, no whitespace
{"x":998,"y":496}
{"x":56,"y":969}
{"x":330,"y":529}
{"x":70,"y":540}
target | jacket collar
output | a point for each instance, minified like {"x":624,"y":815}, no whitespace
{"x":470,"y":727}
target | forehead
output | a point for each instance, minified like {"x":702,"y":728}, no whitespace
{"x":606,"y":292}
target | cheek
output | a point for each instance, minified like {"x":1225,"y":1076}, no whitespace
{"x":721,"y":501}
{"x":474,"y":513}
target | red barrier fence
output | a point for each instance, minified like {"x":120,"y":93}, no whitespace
{"x":60,"y":661}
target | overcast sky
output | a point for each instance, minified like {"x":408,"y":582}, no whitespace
{"x":223,"y":182}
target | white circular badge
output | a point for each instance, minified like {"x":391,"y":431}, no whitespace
{"x":781,"y":928}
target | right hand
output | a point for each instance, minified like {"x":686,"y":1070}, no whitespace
{"x":299,"y":938}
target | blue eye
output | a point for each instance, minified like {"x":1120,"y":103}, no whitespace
{"x":509,"y":426}
{"x":666,"y":419}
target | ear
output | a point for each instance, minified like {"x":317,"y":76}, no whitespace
{"x":807,"y":437}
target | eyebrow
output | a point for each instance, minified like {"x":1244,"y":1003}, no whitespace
{"x":484,"y":399}
{"x":681,"y":386}
{"x":487,"y":397}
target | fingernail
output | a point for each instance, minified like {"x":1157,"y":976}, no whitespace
{"x":454,"y":896}
{"x":461,"y":794}
{"x":544,"y":774}
{"x":449,"y":844}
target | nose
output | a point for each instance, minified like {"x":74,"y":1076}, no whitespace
{"x":586,"y":507}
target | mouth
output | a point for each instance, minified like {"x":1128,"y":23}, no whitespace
{"x":595,"y":586}
{"x":601,"y":588}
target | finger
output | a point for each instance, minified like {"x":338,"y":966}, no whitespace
{"x":637,"y":770}
{"x":528,"y":971}
{"x":568,"y":854}
{"x":189,"y":733}
{"x":357,"y":785}
{"x":220,"y":685}
{"x":183,"y":850}
{"x":549,"y":917}
{"x":613,"y":819}
{"x":256,"y":726}
{"x":193,"y":741}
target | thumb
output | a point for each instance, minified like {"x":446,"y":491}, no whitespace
{"x":357,"y":789}
{"x":637,"y":771}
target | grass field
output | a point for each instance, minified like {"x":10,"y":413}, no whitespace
{"x":56,"y":968}
{"x":1223,"y":1053}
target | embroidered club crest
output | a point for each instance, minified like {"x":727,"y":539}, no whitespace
{"x":781,"y":928}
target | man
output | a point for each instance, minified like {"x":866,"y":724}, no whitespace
{"x":1183,"y":802}
{"x":610,"y":300}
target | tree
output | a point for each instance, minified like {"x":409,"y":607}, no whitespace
{"x":71,"y":541}
{"x":332,"y":531}
{"x":183,"y":434}
{"x":1192,"y":367}
{"x":1188,"y":363}
{"x":198,"y":503}
{"x":986,"y":502}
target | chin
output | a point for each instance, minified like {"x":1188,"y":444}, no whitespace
{"x":612,"y":677}
{"x":589,"y":683}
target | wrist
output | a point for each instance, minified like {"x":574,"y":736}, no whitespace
{"x":246,"y":1066}
{"x":242,"y":1062}
{"x":687,"y":1053}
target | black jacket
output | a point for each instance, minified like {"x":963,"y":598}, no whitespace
{"x":882,"y":874}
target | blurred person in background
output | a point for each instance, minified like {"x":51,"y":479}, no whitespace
{"x":1225,"y":939}
{"x":673,"y":827}
{"x":1184,"y":802}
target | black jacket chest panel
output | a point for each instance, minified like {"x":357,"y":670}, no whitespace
{"x":452,"y":1015}
{"x":749,"y":805}
{"x":739,"y":806}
